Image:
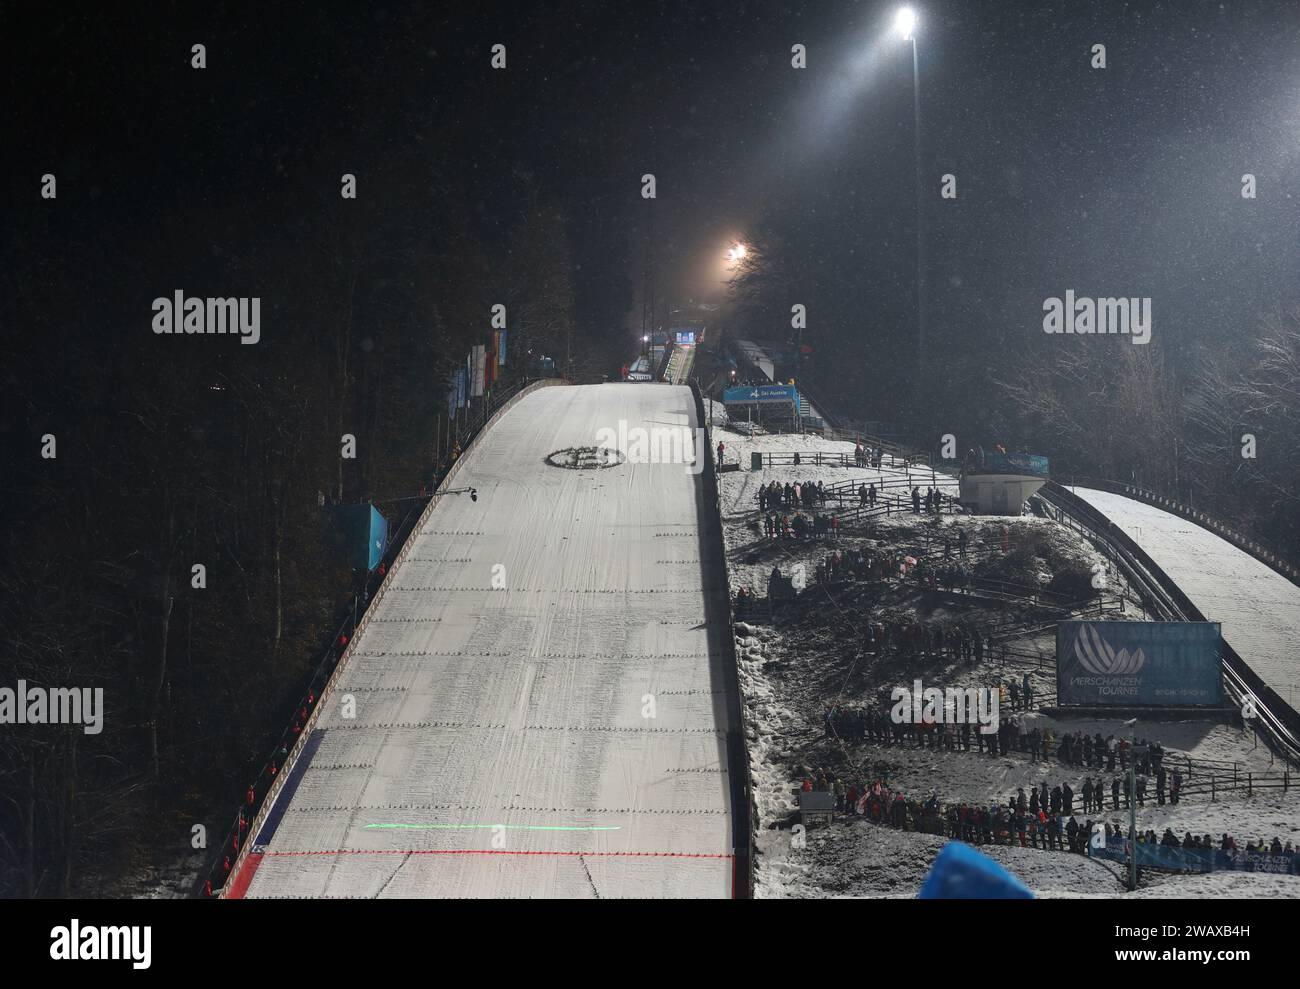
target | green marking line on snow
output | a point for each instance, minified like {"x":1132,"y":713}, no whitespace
{"x":508,"y":827}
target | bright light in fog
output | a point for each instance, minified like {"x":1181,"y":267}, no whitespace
{"x":737,"y":252}
{"x":905,"y":23}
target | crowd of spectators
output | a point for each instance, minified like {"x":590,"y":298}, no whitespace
{"x":1050,"y":823}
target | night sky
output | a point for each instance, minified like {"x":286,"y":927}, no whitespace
{"x":1122,"y":180}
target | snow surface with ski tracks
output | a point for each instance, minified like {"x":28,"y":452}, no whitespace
{"x":562,"y":735}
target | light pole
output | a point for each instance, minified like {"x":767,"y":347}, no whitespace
{"x":1132,"y":807}
{"x":905,"y":25}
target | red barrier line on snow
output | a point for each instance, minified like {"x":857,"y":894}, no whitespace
{"x":245,"y":877}
{"x":498,"y":851}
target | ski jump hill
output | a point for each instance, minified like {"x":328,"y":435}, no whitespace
{"x":1258,"y":606}
{"x":538,"y":702}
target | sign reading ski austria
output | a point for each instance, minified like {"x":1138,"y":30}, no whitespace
{"x":1148,"y":664}
{"x":760,"y":395}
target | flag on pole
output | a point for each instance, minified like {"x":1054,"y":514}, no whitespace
{"x":478,"y":362}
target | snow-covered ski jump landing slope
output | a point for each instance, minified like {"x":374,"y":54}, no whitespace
{"x":1259,"y":608}
{"x":563,"y":735}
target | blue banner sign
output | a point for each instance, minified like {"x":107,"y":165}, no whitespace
{"x":1015,"y":463}
{"x":1171,"y":859}
{"x":1143,"y":664}
{"x":761,"y":395}
{"x":365,"y":532}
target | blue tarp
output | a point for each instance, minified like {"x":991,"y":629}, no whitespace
{"x":962,"y":873}
{"x":1149,"y":664}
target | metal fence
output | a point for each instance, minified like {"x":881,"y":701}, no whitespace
{"x":741,"y":785}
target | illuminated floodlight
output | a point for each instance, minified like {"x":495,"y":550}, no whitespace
{"x":905,"y":23}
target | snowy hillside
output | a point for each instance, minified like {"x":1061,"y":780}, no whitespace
{"x":807,"y":656}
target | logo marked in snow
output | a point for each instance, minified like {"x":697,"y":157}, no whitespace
{"x":586,"y":458}
{"x":1097,"y":656}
